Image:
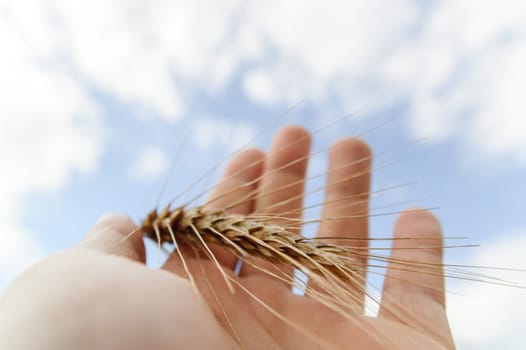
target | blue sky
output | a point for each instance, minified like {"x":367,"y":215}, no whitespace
{"x":96,"y":98}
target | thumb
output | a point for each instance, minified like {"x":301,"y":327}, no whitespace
{"x":116,"y":235}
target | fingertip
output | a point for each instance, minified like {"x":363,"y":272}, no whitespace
{"x":301,"y":137}
{"x":415,"y":269}
{"x":351,"y":146}
{"x":239,"y":178}
{"x":421,"y":217}
{"x":290,"y":149}
{"x":252,"y":154}
{"x":419,"y":211}
{"x":116,"y":234}
{"x":293,"y":129}
{"x":350,"y":169}
{"x":249,"y":162}
{"x":116,"y":221}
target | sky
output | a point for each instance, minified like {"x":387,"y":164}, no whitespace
{"x":97,"y":98}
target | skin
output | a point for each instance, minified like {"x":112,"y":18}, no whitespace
{"x":100,"y":295}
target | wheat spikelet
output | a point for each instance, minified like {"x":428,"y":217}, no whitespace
{"x":247,"y":236}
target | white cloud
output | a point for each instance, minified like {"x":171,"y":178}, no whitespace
{"x":39,"y":152}
{"x":482,"y":103}
{"x":333,"y":37}
{"x":458,"y":64}
{"x":49,"y":129}
{"x":138,"y":52}
{"x":501,"y":122}
{"x":260,"y":86}
{"x":151,"y":163}
{"x":463,"y":74}
{"x":490,"y":316}
{"x":318,"y":47}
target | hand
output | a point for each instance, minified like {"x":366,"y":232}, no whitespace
{"x":100,"y":295}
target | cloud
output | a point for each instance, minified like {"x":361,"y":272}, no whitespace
{"x":151,"y":163}
{"x":463,"y":74}
{"x":490,"y":316}
{"x":50,"y":128}
{"x":260,"y":86}
{"x":39,"y":153}
{"x":317,"y":47}
{"x":457,"y":64}
{"x":142,"y":53}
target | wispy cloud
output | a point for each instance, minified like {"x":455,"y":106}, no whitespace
{"x":150,"y":164}
{"x":43,"y":141}
{"x":49,"y":126}
{"x":491,"y":316}
{"x":458,"y":65}
{"x":463,"y":75}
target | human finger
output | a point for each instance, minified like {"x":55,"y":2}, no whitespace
{"x":234,"y":190}
{"x":413,"y":291}
{"x":282,"y":185}
{"x":116,"y":235}
{"x":346,"y":206}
